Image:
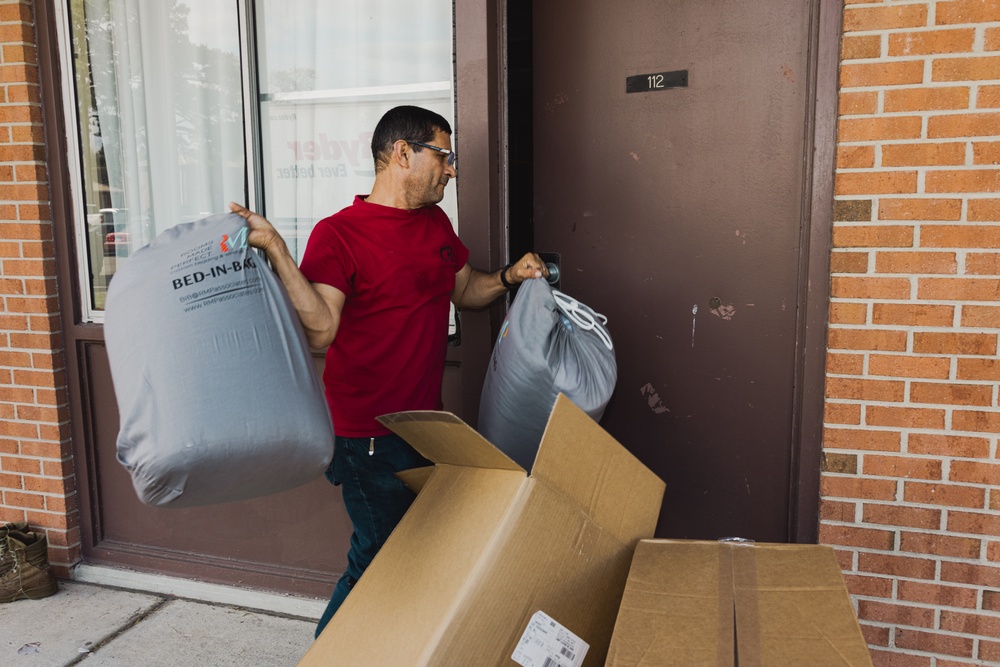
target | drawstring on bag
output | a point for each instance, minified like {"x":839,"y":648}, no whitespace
{"x":584,"y":316}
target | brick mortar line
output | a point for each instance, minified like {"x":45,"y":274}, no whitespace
{"x":50,"y":459}
{"x":897,"y":577}
{"x":927,"y":606}
{"x":915,"y":431}
{"x":914,"y":555}
{"x":894,"y":429}
{"x":921,"y":169}
{"x":929,"y":457}
{"x":943,"y":532}
{"x":911,"y":328}
{"x":919,"y":554}
{"x":55,"y":496}
{"x":916,"y":58}
{"x":852,"y":427}
{"x":905,"y":505}
{"x":936,"y":630}
{"x":904,"y":328}
{"x":904,"y":169}
{"x":972,"y":53}
{"x":952,"y":381}
{"x":938,"y":532}
{"x":914,"y":301}
{"x":960,"y":196}
{"x":976,"y":84}
{"x":904,"y":141}
{"x":884,"y":87}
{"x":33,"y":387}
{"x":909,"y":480}
{"x":936,"y":406}
{"x":941,"y":27}
{"x":960,"y":306}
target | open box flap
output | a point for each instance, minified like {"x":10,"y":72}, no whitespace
{"x":415,"y":478}
{"x":582,"y":461}
{"x":399,"y":610}
{"x":444,"y":438}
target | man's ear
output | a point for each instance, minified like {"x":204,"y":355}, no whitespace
{"x":401,"y":153}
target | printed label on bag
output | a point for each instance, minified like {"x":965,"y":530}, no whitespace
{"x":546,"y":643}
{"x":215,"y":271}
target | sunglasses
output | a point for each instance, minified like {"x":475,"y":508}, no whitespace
{"x":450,"y":157}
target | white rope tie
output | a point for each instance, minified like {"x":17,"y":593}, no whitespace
{"x":584,"y":316}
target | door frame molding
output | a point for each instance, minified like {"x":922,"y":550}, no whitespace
{"x":75,"y":334}
{"x":481,"y":112}
{"x":814,"y":273}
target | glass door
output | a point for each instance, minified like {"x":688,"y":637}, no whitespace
{"x":159,"y":124}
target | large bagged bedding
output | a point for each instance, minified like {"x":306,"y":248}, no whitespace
{"x":549,"y":344}
{"x":217,"y":392}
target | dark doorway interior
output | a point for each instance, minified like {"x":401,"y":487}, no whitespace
{"x":519,"y":129}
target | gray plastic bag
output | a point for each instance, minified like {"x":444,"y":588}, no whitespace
{"x":549,"y":344}
{"x":217,"y":392}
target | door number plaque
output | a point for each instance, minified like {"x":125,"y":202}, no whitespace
{"x":645,"y":83}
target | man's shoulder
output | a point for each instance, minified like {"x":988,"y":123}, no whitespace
{"x":437,"y":214}
{"x":346,"y":216}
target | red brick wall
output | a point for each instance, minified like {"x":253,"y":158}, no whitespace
{"x":911,"y":481}
{"x":36,"y":468}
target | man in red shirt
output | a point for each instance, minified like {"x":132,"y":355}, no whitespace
{"x":375,"y":285}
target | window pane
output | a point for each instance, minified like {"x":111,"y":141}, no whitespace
{"x":328,"y":71}
{"x":160,"y":108}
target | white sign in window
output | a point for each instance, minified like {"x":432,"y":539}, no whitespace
{"x":324,"y":84}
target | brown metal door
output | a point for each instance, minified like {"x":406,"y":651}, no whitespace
{"x":678,"y":213}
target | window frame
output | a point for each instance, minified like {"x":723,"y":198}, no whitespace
{"x":253,"y":147}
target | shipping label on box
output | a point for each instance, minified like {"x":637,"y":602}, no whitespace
{"x":546,"y":643}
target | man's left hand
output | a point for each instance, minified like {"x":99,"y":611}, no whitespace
{"x":528,"y":267}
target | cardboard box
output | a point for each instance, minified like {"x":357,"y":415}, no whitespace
{"x":485,"y":547}
{"x":723,"y":603}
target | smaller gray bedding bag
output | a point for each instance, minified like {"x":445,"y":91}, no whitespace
{"x":549,"y":344}
{"x":217,"y":393}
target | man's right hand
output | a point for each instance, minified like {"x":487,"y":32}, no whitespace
{"x":318,"y":306}
{"x":262,"y":234}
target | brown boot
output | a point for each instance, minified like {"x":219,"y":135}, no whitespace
{"x":28,"y":576}
{"x":19,"y":526}
{"x":6,"y":559}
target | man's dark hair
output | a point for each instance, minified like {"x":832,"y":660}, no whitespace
{"x":408,"y":123}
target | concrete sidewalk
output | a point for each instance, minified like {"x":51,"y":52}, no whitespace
{"x":90,"y":624}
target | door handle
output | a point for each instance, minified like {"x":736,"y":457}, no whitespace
{"x":551,"y":261}
{"x":553,"y":277}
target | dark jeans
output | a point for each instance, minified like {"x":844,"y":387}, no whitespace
{"x":375,"y":500}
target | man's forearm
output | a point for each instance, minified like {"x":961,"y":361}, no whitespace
{"x":318,"y":307}
{"x":478,"y":289}
{"x":482,"y":289}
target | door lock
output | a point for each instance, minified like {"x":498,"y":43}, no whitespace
{"x":552,"y":261}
